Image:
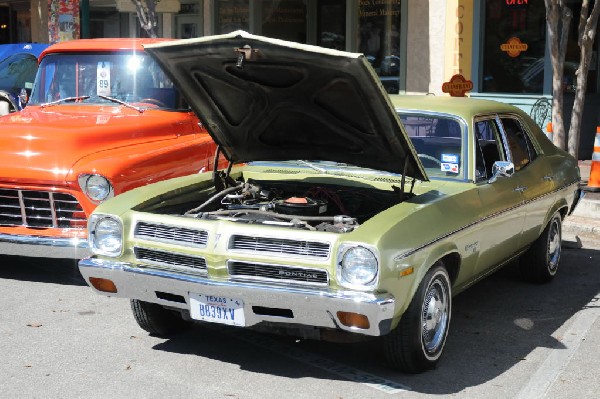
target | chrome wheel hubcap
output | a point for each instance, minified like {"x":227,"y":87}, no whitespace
{"x":554,"y":243}
{"x":435,"y":316}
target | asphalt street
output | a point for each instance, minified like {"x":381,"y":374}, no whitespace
{"x":508,"y":339}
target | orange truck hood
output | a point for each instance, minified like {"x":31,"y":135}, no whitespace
{"x":41,"y":145}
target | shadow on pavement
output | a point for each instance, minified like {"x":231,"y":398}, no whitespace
{"x":42,"y":270}
{"x":495,"y":325}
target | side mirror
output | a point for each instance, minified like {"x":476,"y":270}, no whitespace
{"x":501,"y":169}
{"x":7,"y":103}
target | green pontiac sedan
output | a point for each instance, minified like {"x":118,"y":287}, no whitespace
{"x":344,"y":213}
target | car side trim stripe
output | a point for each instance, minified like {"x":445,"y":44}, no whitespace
{"x":486,"y":218}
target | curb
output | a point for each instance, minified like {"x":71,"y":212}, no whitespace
{"x":575,"y":224}
{"x":579,"y":231}
{"x":588,"y":208}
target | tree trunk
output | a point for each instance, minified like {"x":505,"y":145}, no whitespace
{"x":555,"y":13}
{"x":587,"y":32}
{"x":146,"y":12}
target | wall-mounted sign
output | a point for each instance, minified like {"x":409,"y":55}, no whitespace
{"x":457,"y":86}
{"x":513,"y":47}
{"x":458,"y":46}
{"x":516,"y":3}
{"x":63,"y":20}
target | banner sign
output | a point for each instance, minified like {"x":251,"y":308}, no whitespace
{"x":63,"y":20}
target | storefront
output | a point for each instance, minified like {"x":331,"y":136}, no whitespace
{"x":415,"y":46}
{"x":511,"y":61}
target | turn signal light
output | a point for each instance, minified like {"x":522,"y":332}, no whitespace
{"x":357,"y":320}
{"x":103,"y":284}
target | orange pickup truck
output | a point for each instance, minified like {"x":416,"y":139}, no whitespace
{"x":102,"y":119}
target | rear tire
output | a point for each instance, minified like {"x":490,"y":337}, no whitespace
{"x":416,"y":344}
{"x":156,"y":319}
{"x":540,"y":263}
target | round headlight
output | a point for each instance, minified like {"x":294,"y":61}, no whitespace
{"x":358,"y":266}
{"x":97,"y":187}
{"x":105,"y":236}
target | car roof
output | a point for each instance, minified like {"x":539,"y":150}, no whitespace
{"x":34,"y":49}
{"x":464,"y":107}
{"x":110,"y":44}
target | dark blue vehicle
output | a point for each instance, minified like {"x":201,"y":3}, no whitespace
{"x":18,"y":66}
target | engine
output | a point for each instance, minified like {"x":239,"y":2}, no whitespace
{"x":300,"y":205}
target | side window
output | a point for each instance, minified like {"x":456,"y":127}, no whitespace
{"x":488,"y":148}
{"x":519,"y":143}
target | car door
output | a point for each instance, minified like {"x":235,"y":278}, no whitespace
{"x":501,"y":216}
{"x":536,"y":180}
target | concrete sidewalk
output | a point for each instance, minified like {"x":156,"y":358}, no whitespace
{"x":586,"y":218}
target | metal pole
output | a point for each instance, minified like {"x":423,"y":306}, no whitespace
{"x":84,"y":9}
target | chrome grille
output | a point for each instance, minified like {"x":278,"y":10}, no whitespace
{"x":280,"y":246}
{"x":277,"y":273}
{"x":173,"y":234}
{"x":33,"y":208}
{"x":179,"y":262}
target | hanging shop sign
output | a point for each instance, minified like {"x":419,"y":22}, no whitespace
{"x":514,"y":47}
{"x":458,"y":86}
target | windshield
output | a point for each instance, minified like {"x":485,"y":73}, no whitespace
{"x":17,"y":72}
{"x":438,"y":140}
{"x":129,"y":77}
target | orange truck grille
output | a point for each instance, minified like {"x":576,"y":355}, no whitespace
{"x":34,"y":208}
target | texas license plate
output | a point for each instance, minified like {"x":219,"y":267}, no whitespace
{"x":217,"y":309}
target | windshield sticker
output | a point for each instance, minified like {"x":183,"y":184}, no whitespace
{"x":450,"y":163}
{"x":103,"y":79}
{"x":449,"y":158}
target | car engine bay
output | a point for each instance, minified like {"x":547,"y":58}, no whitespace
{"x":292,"y":204}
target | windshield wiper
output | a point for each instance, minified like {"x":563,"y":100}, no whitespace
{"x":65,"y":100}
{"x":126,"y":104}
{"x":82,"y":98}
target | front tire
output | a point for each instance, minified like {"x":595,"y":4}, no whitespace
{"x":156,"y":319}
{"x":540,"y":263}
{"x":416,"y":344}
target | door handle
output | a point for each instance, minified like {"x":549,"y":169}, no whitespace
{"x":520,"y":189}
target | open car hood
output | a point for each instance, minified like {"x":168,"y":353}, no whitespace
{"x":264,"y":99}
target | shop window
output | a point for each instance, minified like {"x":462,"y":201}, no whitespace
{"x":514,"y":46}
{"x":379,"y":39}
{"x":511,"y":66}
{"x":189,"y":20}
{"x":331,"y":24}
{"x":232,"y":15}
{"x":23,"y":26}
{"x":284,"y":19}
{"x":5,"y":26}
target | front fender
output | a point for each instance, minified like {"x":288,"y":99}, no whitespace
{"x":139,"y":165}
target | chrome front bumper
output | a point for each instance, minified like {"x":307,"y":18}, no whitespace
{"x":309,"y":307}
{"x":44,"y":247}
